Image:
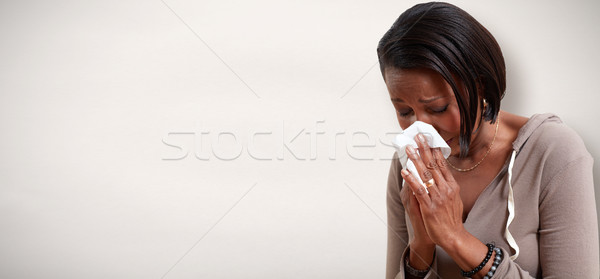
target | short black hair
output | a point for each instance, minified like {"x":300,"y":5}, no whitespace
{"x":444,"y":38}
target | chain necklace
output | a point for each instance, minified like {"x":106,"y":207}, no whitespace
{"x":488,"y":152}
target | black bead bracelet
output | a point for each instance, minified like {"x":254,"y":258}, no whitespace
{"x":497,"y":261}
{"x":482,"y":264}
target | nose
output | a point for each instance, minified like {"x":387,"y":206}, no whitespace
{"x":424,"y":117}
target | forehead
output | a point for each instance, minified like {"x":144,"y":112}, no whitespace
{"x":408,"y":84}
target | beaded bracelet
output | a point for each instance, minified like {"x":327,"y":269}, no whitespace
{"x":495,"y":265}
{"x":482,"y":264}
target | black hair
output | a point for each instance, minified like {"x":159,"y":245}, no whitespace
{"x":444,"y":38}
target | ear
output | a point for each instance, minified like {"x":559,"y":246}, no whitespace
{"x":480,"y":88}
{"x":483,"y":105}
{"x":480,"y":91}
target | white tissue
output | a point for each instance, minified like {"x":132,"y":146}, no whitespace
{"x":434,"y":140}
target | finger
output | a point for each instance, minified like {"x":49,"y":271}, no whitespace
{"x":422,"y":170}
{"x":433,"y":189}
{"x":405,"y":194}
{"x":415,"y":210}
{"x":411,"y":205}
{"x":425,"y":152}
{"x":430,"y":162}
{"x":442,"y":165}
{"x":417,"y":189}
{"x":425,"y":174}
{"x":451,"y":185}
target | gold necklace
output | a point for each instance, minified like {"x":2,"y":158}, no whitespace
{"x":488,"y":152}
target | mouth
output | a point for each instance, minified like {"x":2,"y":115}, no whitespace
{"x":448,"y":141}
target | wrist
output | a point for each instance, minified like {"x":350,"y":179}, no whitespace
{"x":416,"y":245}
{"x":456,"y":241}
{"x":422,"y":241}
{"x":421,"y":255}
{"x":468,"y":251}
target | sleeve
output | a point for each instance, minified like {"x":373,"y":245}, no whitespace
{"x":568,"y":233}
{"x":397,"y":231}
{"x":568,"y":223}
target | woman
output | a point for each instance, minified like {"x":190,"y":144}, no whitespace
{"x":514,"y":199}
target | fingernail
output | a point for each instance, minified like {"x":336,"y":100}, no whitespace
{"x":421,"y":138}
{"x":410,"y":149}
{"x":404,"y":172}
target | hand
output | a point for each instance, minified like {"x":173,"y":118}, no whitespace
{"x":421,"y":247}
{"x":441,"y":210}
{"x":411,"y":205}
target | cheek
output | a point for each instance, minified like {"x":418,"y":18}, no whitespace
{"x":452,"y":124}
{"x":404,"y":122}
{"x":449,"y":125}
{"x":449,"y":128}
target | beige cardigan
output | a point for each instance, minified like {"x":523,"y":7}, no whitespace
{"x":555,"y":224}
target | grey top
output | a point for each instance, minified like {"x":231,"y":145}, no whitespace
{"x":555,"y":224}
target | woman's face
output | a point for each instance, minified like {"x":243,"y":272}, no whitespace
{"x":424,"y":95}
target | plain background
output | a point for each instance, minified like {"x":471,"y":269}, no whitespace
{"x":231,"y":139}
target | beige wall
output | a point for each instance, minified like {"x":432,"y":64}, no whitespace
{"x":230,"y":139}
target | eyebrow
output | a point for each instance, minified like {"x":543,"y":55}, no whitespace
{"x":425,"y":101}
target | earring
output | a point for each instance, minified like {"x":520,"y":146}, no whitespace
{"x":485,"y":104}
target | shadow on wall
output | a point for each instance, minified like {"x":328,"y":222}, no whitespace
{"x":512,"y":101}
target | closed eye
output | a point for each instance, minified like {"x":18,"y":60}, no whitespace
{"x":405,"y":113}
{"x":440,"y":110}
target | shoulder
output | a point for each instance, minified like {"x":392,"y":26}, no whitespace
{"x":547,"y":135}
{"x":547,"y":147}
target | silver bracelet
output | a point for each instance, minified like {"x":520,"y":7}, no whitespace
{"x":413,"y":271}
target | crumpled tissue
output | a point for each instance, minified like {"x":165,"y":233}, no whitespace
{"x":407,"y":137}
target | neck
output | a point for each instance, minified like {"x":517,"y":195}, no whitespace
{"x":481,"y":144}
